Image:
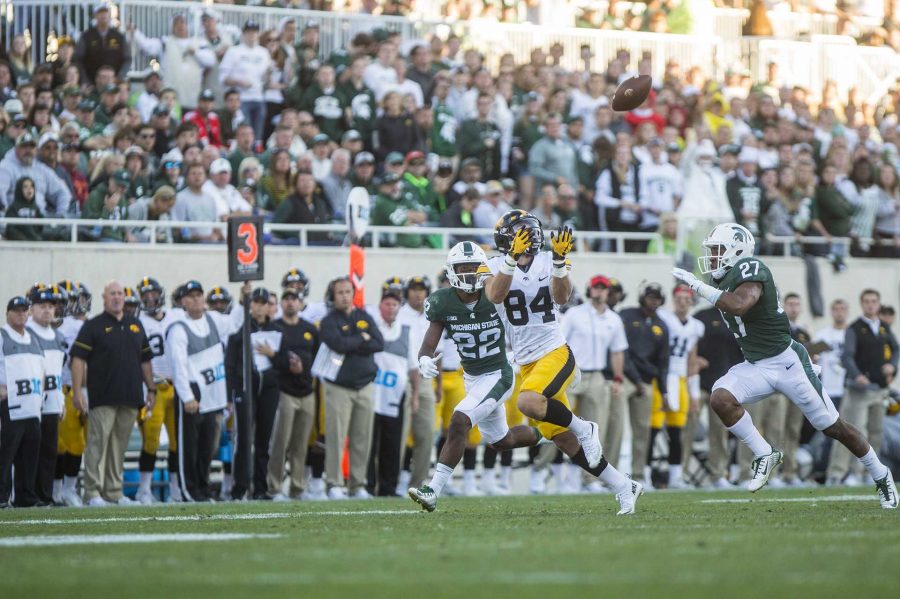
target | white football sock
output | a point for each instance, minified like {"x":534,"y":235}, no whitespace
{"x":468,"y":477}
{"x":442,"y":474}
{"x":614,"y":479}
{"x":674,"y":473}
{"x":876,"y":469}
{"x":744,"y":430}
{"x":146,"y":480}
{"x":69,"y":483}
{"x":505,"y":475}
{"x":57,"y":488}
{"x":557,"y":470}
{"x":578,"y":426}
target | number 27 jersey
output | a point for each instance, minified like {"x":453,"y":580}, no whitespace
{"x":529,"y":310}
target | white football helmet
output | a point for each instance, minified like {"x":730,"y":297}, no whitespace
{"x":466,"y":252}
{"x":725,"y":245}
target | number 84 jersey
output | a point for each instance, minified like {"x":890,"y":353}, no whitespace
{"x":476,"y":329}
{"x":156,"y":336}
{"x":529,"y":310}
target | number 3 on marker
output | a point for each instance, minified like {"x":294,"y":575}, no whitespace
{"x":248,"y":252}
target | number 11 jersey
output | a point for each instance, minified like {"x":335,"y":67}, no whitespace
{"x":529,"y":310}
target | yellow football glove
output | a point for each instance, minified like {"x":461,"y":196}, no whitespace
{"x":561,"y":243}
{"x":520,"y":243}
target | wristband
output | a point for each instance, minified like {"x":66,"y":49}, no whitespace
{"x":618,"y":379}
{"x":508,"y":266}
{"x":693,"y":385}
{"x":709,"y":293}
{"x":560,"y":269}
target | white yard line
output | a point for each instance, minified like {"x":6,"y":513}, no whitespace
{"x":201,"y":517}
{"x":43,"y":541}
{"x":795,"y":499}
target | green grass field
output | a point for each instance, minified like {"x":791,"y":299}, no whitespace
{"x":826,"y":542}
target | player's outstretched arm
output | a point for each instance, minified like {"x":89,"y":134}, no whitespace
{"x":561,"y":243}
{"x":496,"y":288}
{"x":736,"y":302}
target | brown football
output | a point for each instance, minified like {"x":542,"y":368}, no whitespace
{"x":631,"y":93}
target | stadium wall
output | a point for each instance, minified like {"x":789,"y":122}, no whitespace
{"x":94,"y":264}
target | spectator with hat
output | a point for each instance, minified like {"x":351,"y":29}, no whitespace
{"x":148,"y":99}
{"x":596,"y":334}
{"x":51,"y":195}
{"x":209,"y":130}
{"x":490,"y":209}
{"x":345,"y":361}
{"x":15,"y":127}
{"x":108,"y":105}
{"x":363,"y":173}
{"x":245,"y":67}
{"x":745,"y":193}
{"x":228,"y":199}
{"x":109,"y":197}
{"x":394,"y":209}
{"x":417,"y":183}
{"x":102,"y":45}
{"x":156,"y":207}
{"x":21,"y":363}
{"x":320,"y":156}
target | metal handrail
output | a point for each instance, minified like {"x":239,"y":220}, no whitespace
{"x":445,"y":233}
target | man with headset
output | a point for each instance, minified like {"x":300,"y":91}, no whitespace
{"x":648,"y":354}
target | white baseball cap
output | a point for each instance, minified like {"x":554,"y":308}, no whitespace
{"x":219,"y":165}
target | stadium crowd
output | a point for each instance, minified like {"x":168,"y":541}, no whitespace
{"x":233,"y":122}
{"x":326,"y":371}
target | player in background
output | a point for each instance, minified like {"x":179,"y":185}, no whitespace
{"x":73,"y":425}
{"x":219,"y":300}
{"x":683,"y":384}
{"x":310,"y":311}
{"x":132,"y":305}
{"x":479,"y":333}
{"x":527,"y":284}
{"x":744,"y":291}
{"x":156,"y":321}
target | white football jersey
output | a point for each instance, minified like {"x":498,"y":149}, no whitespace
{"x":156,"y":336}
{"x":833,"y":373}
{"x":69,"y":328}
{"x":683,"y":337}
{"x":529,"y":310}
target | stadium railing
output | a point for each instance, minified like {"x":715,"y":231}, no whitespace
{"x":75,"y":231}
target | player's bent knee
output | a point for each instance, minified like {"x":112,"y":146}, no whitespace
{"x":460,"y":424}
{"x":722,"y":400}
{"x":532,"y":404}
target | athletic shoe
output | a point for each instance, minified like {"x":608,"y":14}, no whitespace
{"x":628,"y":498}
{"x":97,"y":502}
{"x":777,"y":483}
{"x":470,"y":489}
{"x":762,"y":469}
{"x":280,"y":498}
{"x":403,"y":482}
{"x":488,"y":483}
{"x":126,"y":500}
{"x":538,"y":482}
{"x":337,"y":493}
{"x":590,"y":443}
{"x":425,"y":497}
{"x":145,"y":497}
{"x":853,"y":481}
{"x":361,"y":494}
{"x":595,"y":487}
{"x":722,"y":483}
{"x":71,"y":499}
{"x":315,"y":491}
{"x":451,"y":490}
{"x":679,"y":484}
{"x":887,"y":491}
{"x":175,"y":495}
{"x":58,"y":492}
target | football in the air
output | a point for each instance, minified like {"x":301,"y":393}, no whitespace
{"x":631,"y":93}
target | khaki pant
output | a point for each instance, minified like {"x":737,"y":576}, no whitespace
{"x":793,"y":425}
{"x":348,"y":412}
{"x":769,"y":417}
{"x":864,"y":409}
{"x":421,"y":423}
{"x":290,"y":438}
{"x":639,"y":415}
{"x":590,"y":401}
{"x":717,"y":458}
{"x":109,"y":428}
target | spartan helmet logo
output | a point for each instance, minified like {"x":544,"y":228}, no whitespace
{"x":739,"y":235}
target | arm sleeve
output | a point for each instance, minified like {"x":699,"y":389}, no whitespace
{"x":84,"y":343}
{"x":148,"y":45}
{"x":176,"y":347}
{"x":848,"y":360}
{"x":619,"y":340}
{"x":205,"y":56}
{"x":332,"y":337}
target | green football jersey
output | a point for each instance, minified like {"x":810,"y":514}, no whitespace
{"x":478,"y":333}
{"x":764,"y":331}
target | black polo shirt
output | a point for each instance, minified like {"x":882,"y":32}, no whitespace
{"x":114,"y":350}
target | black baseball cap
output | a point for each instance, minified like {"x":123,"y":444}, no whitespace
{"x":190,"y":286}
{"x":260,"y":294}
{"x":250,"y":24}
{"x":17,"y":303}
{"x":288,"y":291}
{"x":207,"y":94}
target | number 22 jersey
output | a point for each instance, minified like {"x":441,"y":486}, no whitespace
{"x":529,"y":310}
{"x":477,"y":330}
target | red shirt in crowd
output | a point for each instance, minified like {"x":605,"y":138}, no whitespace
{"x":79,"y":185}
{"x":209,"y":128}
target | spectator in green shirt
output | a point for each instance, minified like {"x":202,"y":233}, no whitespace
{"x":98,"y":201}
{"x":394,"y":209}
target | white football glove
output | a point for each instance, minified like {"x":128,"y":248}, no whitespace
{"x":687,"y":278}
{"x":428,"y":366}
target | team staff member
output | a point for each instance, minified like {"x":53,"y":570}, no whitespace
{"x":156,"y":322}
{"x":420,"y":409}
{"x":717,"y":352}
{"x":111,"y":353}
{"x":648,"y":352}
{"x":21,"y":377}
{"x":597,"y":336}
{"x":870,"y":358}
{"x":72,"y":426}
{"x":194,"y":345}
{"x":297,"y":403}
{"x":47,"y":307}
{"x":348,"y":369}
{"x":254,"y":420}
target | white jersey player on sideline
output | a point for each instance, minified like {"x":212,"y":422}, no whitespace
{"x":156,"y":322}
{"x":685,"y":332}
{"x":312,"y":312}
